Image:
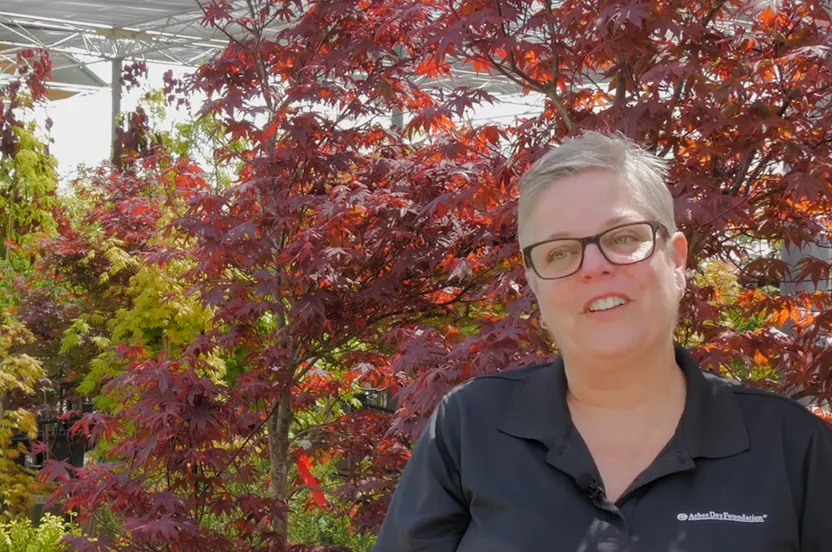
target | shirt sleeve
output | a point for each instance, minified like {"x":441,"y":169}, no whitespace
{"x":428,"y":512}
{"x":816,"y":527}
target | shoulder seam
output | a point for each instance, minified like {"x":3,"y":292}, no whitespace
{"x":515,"y":374}
{"x":757,"y":392}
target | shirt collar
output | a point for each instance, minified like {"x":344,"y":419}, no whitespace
{"x":712,"y":424}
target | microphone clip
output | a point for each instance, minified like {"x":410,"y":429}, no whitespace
{"x":590,"y":485}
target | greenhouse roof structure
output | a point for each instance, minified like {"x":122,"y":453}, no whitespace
{"x":155,"y":31}
{"x":78,"y":32}
{"x":164,"y":31}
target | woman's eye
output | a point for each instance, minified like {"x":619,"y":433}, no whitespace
{"x":558,"y":255}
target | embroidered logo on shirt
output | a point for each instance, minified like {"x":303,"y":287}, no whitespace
{"x":722,"y":516}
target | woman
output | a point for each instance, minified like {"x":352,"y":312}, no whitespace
{"x":622,"y":443}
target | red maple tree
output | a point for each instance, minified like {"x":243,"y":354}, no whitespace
{"x":340,"y":240}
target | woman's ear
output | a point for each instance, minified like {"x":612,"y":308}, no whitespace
{"x":679,"y":254}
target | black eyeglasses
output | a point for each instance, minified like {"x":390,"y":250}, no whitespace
{"x":621,"y":245}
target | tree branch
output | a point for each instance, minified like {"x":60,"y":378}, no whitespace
{"x":741,"y":178}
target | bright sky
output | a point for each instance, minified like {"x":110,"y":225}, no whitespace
{"x":81,"y":124}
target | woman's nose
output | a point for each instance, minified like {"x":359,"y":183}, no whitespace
{"x":595,"y":264}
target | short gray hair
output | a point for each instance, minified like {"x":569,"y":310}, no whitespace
{"x":643,"y":173}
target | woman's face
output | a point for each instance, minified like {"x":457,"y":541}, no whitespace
{"x":650,"y":290}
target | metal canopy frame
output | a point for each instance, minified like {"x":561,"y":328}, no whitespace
{"x":154,"y":31}
{"x":161,"y":31}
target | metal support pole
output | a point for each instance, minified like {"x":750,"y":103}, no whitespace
{"x":792,"y":256}
{"x":397,"y":118}
{"x":115,"y":86}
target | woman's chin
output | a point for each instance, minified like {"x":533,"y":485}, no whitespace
{"x":612,"y":346}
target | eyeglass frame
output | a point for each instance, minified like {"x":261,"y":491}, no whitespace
{"x":596,"y":239}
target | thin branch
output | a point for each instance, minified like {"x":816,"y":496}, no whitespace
{"x":300,"y":488}
{"x":247,"y":439}
{"x":682,"y":82}
{"x":549,"y":89}
{"x":740,"y":178}
{"x":318,"y":428}
{"x":555,"y":54}
{"x":761,"y":165}
{"x":220,"y":28}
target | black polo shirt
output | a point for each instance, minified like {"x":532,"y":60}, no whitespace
{"x":501,"y":468}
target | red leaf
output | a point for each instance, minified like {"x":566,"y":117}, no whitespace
{"x":305,"y":472}
{"x":55,"y":471}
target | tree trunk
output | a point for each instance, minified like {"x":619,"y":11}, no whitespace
{"x":278,"y":431}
